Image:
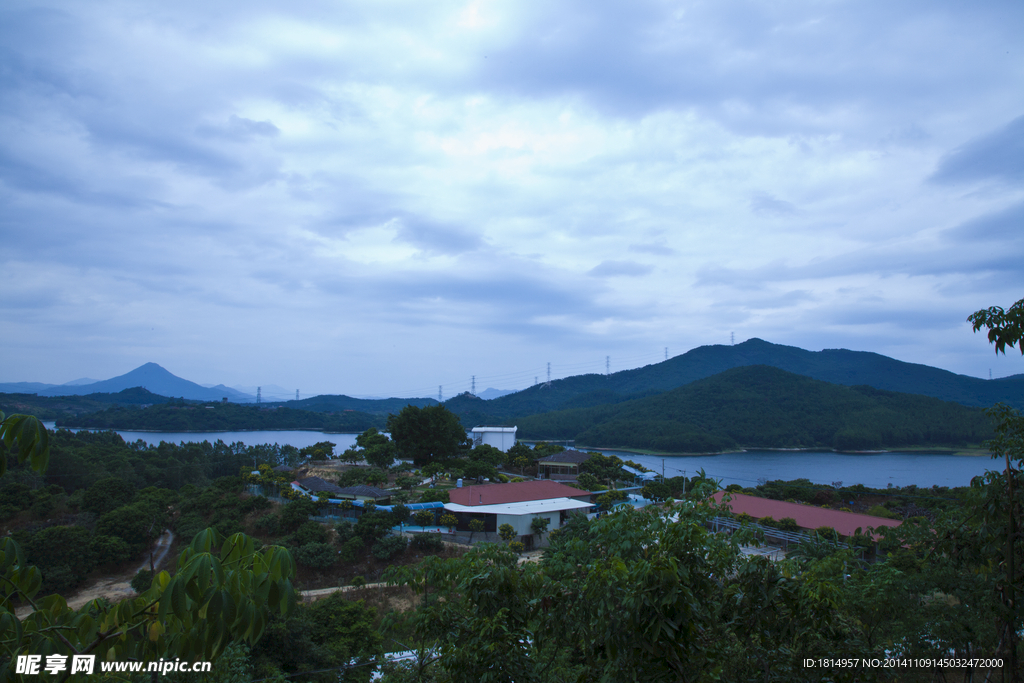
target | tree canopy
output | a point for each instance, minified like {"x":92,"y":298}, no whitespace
{"x":426,"y":435}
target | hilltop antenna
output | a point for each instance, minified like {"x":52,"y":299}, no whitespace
{"x":439,"y":393}
{"x":296,"y":394}
{"x":607,"y":362}
{"x":549,"y":374}
{"x":473,"y":385}
{"x":259,"y":397}
{"x":535,"y":380}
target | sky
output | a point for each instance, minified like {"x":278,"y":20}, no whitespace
{"x":381,"y":198}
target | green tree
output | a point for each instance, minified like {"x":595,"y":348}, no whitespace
{"x":588,"y":481}
{"x":449,"y":520}
{"x":539,"y":525}
{"x":376,"y":448}
{"x":521,"y":456}
{"x":475,"y":526}
{"x":507,"y":532}
{"x":424,"y":517}
{"x":429,"y":434}
{"x":1005,"y":328}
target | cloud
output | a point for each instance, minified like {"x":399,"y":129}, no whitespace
{"x":435,"y":238}
{"x":620,"y":269}
{"x":767,"y":205}
{"x":239,"y":129}
{"x":998,"y":156}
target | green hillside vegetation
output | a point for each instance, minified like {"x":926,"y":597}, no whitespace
{"x":329,"y":403}
{"x":178,"y":415}
{"x":837,"y":366}
{"x":765,"y":407}
{"x":53,"y":408}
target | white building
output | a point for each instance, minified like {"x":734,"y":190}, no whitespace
{"x":502,"y":438}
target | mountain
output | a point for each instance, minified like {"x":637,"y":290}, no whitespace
{"x":153,"y":378}
{"x":764,"y":407}
{"x":24,"y":387}
{"x":339,"y":403}
{"x":837,"y":366}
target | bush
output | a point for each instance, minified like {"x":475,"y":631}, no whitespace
{"x":879,"y":511}
{"x":316,"y":555}
{"x":827,"y":533}
{"x":108,"y":550}
{"x":373,"y":526}
{"x":517,"y":546}
{"x":768,"y":521}
{"x":309,"y":532}
{"x":389,"y":547}
{"x":358,"y":581}
{"x":267,"y":524}
{"x":297,"y":512}
{"x":142,"y":581}
{"x":428,"y":542}
{"x":424,"y":517}
{"x":435,"y":496}
{"x":788,"y":524}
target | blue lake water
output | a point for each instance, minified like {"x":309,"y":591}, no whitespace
{"x":746,"y":468}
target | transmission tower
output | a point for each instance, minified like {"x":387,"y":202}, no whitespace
{"x":473,"y":385}
{"x":439,"y":393}
{"x":666,"y":353}
{"x":607,"y":363}
{"x":259,"y":398}
{"x":296,"y":394}
{"x":549,"y":373}
{"x":732,"y":338}
{"x":535,"y":378}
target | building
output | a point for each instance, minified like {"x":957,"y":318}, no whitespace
{"x":517,"y":504}
{"x":563,"y":466}
{"x":311,"y":486}
{"x":502,"y":438}
{"x":808,"y":517}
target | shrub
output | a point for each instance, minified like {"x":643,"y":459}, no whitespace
{"x":768,"y":521}
{"x":449,"y":520}
{"x":827,"y":533}
{"x":316,"y":555}
{"x":389,"y":547}
{"x":358,"y":581}
{"x":142,"y":581}
{"x":788,"y":524}
{"x":507,"y":532}
{"x":424,"y":517}
{"x":879,"y":511}
{"x":295,"y":513}
{"x":267,"y":524}
{"x":516,"y":546}
{"x":309,"y":532}
{"x":428,"y":542}
{"x":435,"y":496}
{"x":373,"y":526}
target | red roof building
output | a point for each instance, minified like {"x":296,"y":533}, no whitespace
{"x":517,"y":492}
{"x":808,"y":517}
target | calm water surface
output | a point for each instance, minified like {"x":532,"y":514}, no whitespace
{"x":874,"y":470}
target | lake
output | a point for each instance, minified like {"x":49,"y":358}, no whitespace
{"x":876,"y":470}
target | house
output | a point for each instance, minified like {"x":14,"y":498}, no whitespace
{"x":502,"y":438}
{"x":563,"y":466}
{"x":808,"y":517}
{"x":517,"y":504}
{"x":311,"y":486}
{"x":364,"y":493}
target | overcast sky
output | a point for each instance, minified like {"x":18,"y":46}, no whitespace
{"x":383,"y":197}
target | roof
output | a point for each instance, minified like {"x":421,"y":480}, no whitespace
{"x":363,"y":490}
{"x":284,"y":468}
{"x":807,"y":516}
{"x":494,"y":429}
{"x":316,"y":484}
{"x":530,"y":507}
{"x":576,"y":457}
{"x":518,"y":492}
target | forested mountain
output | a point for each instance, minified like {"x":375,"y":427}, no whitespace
{"x":180,"y":416}
{"x":838,"y":366}
{"x":56,"y":407}
{"x":332,"y":403}
{"x":761,"y":406}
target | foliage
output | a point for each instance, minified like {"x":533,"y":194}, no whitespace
{"x":429,"y":434}
{"x":215,"y":597}
{"x":424,"y":517}
{"x":435,"y":496}
{"x":507,"y":532}
{"x":335,"y":638}
{"x":607,"y":468}
{"x":25,"y":436}
{"x":475,"y":527}
{"x":375,"y":448}
{"x":400,"y":514}
{"x":449,"y":520}
{"x":428,"y":542}
{"x":657,"y":491}
{"x":373,"y":526}
{"x":406,"y":482}
{"x":142,"y":581}
{"x":309,"y":532}
{"x":1005,"y":328}
{"x":538,"y":525}
{"x":296,"y":513}
{"x":588,"y":481}
{"x":389,"y":547}
{"x":316,"y":555}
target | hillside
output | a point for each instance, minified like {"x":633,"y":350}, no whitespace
{"x":179,"y":416}
{"x":153,"y":378}
{"x":53,"y":408}
{"x":761,"y":406}
{"x":837,"y":366}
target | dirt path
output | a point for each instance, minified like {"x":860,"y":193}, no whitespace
{"x":113,"y":588}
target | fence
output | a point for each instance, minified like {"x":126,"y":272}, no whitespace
{"x":786,"y":537}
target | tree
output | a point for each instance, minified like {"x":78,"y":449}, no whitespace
{"x":449,"y":520}
{"x":1005,"y":328}
{"x":424,"y":435}
{"x":475,"y":526}
{"x":539,"y":525}
{"x":521,"y":456}
{"x":424,"y":517}
{"x":323,"y":450}
{"x":607,"y":468}
{"x":377,"y":449}
{"x":588,"y":481}
{"x":507,"y":532}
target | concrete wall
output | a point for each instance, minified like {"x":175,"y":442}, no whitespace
{"x":521,"y":523}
